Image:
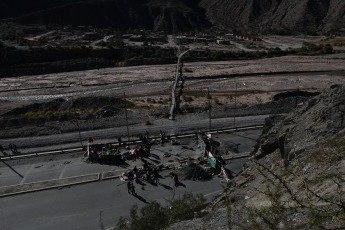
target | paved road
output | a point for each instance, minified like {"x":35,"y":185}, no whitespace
{"x":60,"y":166}
{"x":79,"y":207}
{"x":111,"y":135}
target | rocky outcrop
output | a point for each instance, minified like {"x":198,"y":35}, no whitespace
{"x":319,"y":119}
{"x":170,"y":15}
{"x":303,"y":152}
{"x":284,"y":16}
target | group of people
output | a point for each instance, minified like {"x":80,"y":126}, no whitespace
{"x":147,"y":173}
{"x":143,"y":151}
{"x":11,"y":146}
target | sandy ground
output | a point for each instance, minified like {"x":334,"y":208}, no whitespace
{"x":256,"y":80}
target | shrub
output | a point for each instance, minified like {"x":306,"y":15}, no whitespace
{"x":195,"y":172}
{"x":166,"y":114}
{"x":154,"y":216}
{"x":296,"y":189}
{"x":327,"y":49}
{"x":187,"y":70}
{"x":187,"y":99}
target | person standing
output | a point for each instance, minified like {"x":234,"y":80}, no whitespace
{"x":11,"y":147}
{"x":129,"y":186}
{"x":15,"y":151}
{"x":176,"y":180}
{"x":1,"y":149}
{"x":156,"y":176}
{"x":133,"y":188}
{"x":119,"y":140}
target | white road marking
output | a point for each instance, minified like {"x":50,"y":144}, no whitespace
{"x":62,"y":172}
{"x":26,"y":174}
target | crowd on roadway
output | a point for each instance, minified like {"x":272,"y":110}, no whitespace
{"x":144,"y":150}
{"x":148,"y":174}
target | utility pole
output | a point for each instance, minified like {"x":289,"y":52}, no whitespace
{"x":235,"y":105}
{"x":77,"y":122}
{"x":243,"y":83}
{"x":209,"y":107}
{"x":81,"y":142}
{"x":124,"y":96}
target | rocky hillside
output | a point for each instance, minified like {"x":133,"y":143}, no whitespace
{"x":278,"y":16}
{"x":295,"y":177}
{"x":282,"y":16}
{"x":172,"y":15}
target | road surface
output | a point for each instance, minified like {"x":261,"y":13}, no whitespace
{"x":110,"y":135}
{"x":79,"y":207}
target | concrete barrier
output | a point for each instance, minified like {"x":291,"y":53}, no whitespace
{"x":44,"y":185}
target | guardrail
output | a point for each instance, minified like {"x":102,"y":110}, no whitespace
{"x":173,"y":136}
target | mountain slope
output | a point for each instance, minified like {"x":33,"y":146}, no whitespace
{"x":172,"y":15}
{"x":292,"y":16}
{"x":295,"y":177}
{"x":265,"y":15}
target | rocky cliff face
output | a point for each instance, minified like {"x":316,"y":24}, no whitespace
{"x":177,"y":15}
{"x":295,"y":175}
{"x":277,"y":15}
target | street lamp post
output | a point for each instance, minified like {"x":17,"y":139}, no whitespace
{"x":235,"y":105}
{"x":243,"y":83}
{"x":124,"y":98}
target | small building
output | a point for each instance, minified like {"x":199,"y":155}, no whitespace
{"x":182,"y":40}
{"x":248,"y":38}
{"x":223,"y":42}
{"x":127,"y":36}
{"x":136,"y":38}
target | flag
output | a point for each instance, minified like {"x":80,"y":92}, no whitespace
{"x":212,"y":160}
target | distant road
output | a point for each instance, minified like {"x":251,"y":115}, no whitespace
{"x":110,"y":135}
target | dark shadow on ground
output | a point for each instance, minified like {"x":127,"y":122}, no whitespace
{"x":155,"y":161}
{"x":155,"y":156}
{"x":122,"y":164}
{"x":141,"y":183}
{"x":141,"y":198}
{"x":180,"y":183}
{"x":166,"y":186}
{"x":146,"y":162}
